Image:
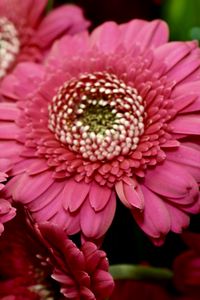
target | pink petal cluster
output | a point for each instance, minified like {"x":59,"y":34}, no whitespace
{"x":114,"y":113}
{"x":30,"y":254}
{"x":21,"y":273}
{"x":7,"y":212}
{"x":26,"y":34}
{"x":83,"y":274}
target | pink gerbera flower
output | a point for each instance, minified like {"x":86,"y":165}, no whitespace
{"x":114,"y":113}
{"x":26,"y":35}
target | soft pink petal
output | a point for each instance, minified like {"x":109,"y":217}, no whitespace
{"x":14,"y":11}
{"x":9,"y":111}
{"x":95,"y":224}
{"x":9,"y":131}
{"x":187,"y":124}
{"x":67,"y":47}
{"x":170,"y":174}
{"x":130,"y":195}
{"x":187,"y":103}
{"x":171,"y":54}
{"x":76,"y":193}
{"x":30,"y":187}
{"x":155,"y":218}
{"x":69,"y":221}
{"x":130,"y":31}
{"x":47,"y":197}
{"x":152,"y":35}
{"x":24,"y":79}
{"x":65,"y":19}
{"x":106,"y":37}
{"x":189,"y":157}
{"x":179,"y":219}
{"x":189,"y":89}
{"x":99,"y":196}
{"x":37,"y":8}
{"x":186,"y":67}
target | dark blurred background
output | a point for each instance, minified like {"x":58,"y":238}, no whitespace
{"x":182,"y":15}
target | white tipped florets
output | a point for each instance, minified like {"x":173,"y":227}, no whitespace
{"x":97,"y":116}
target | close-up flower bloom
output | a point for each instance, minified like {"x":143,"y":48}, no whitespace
{"x":28,"y":259}
{"x":114,"y":113}
{"x":26,"y":34}
{"x":83,"y":274}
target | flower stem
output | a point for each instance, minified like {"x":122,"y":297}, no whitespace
{"x":139,"y":272}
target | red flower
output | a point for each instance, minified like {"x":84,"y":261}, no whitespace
{"x":83,"y":274}
{"x":27,"y":260}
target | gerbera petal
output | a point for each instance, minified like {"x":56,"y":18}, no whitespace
{"x":13,"y":10}
{"x":171,"y":54}
{"x":28,"y":74}
{"x":106,"y":37}
{"x":164,"y":176}
{"x":99,"y":196}
{"x":66,"y":18}
{"x":35,"y":11}
{"x":130,"y":195}
{"x":187,"y":124}
{"x":152,"y":35}
{"x":185,"y":155}
{"x":186,"y":67}
{"x":130,"y":31}
{"x":69,"y":221}
{"x":76,"y":193}
{"x":179,"y":219}
{"x":30,"y":187}
{"x":9,"y":131}
{"x":155,"y":218}
{"x":189,"y":89}
{"x":9,"y":111}
{"x":95,"y":224}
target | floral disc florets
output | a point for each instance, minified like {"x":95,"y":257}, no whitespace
{"x":97,"y":116}
{"x":9,"y":45}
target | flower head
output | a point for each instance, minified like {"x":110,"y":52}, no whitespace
{"x":26,"y":35}
{"x":30,"y":254}
{"x":22,"y":275}
{"x":114,"y":113}
{"x":83,"y":274}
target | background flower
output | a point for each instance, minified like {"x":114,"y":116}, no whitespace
{"x":28,"y":258}
{"x":26,"y":34}
{"x":83,"y":274}
{"x":69,"y":165}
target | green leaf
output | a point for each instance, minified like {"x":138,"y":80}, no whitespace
{"x":138,"y":272}
{"x":183,"y":18}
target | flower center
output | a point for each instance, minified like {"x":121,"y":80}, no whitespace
{"x":97,"y":116}
{"x":9,"y":45}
